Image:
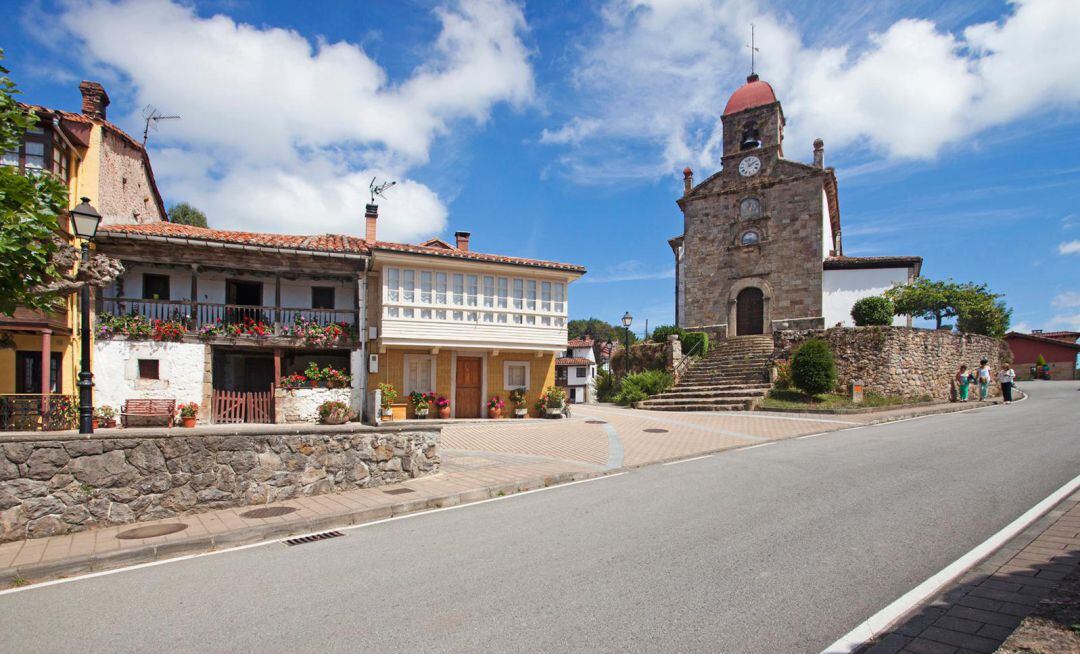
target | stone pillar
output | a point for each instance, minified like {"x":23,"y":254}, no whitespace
{"x":673,"y":356}
{"x":46,"y":360}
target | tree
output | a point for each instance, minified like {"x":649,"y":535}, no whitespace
{"x":600,"y":331}
{"x":661,"y":333}
{"x":978,"y":311}
{"x":813,"y":368}
{"x":37,"y":264}
{"x":185,"y":214}
{"x":873,"y":310}
{"x":924,"y":298}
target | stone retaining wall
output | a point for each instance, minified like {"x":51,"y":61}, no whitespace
{"x":59,"y":484}
{"x":302,"y":404}
{"x":899,"y":361}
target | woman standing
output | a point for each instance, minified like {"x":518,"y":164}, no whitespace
{"x":984,"y":379}
{"x":962,"y":381}
{"x":1006,"y":378}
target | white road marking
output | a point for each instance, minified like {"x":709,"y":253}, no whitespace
{"x":696,"y":458}
{"x":881,"y":620}
{"x":742,"y":449}
{"x":820,"y":433}
{"x":185,"y":557}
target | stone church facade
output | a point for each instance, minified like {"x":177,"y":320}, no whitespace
{"x":761,"y":248}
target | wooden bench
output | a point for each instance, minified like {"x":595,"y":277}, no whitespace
{"x":148,"y":409}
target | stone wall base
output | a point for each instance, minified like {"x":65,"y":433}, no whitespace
{"x":50,"y":487}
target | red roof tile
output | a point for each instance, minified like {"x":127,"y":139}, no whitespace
{"x":454,"y":253}
{"x":842,"y":263}
{"x":754,"y":93}
{"x":580,"y":342}
{"x":315,"y":243}
{"x":573,"y":361}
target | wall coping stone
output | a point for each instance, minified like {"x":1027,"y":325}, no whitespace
{"x":250,"y":429}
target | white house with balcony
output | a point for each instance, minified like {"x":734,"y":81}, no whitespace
{"x":464,"y":325}
{"x":576,"y":371}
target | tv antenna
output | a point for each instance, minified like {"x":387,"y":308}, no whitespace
{"x":379,"y":190}
{"x":152,"y":116}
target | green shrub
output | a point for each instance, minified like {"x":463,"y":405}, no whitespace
{"x":783,"y":375}
{"x":1040,"y":361}
{"x":607,"y":384}
{"x":873,"y":310}
{"x":696,"y":342}
{"x":639,"y":386}
{"x":661,"y":333}
{"x":813,"y":369}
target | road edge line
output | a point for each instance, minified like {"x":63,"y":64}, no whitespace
{"x":883,"y":619}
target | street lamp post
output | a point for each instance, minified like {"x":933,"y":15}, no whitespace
{"x":627,"y":319}
{"x":85,"y":220}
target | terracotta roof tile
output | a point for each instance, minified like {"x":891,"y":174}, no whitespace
{"x":580,"y":342}
{"x":315,"y":243}
{"x":476,"y":256}
{"x":573,"y":361}
{"x":841,"y":263}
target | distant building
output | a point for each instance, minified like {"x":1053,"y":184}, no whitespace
{"x":761,"y":247}
{"x":1058,"y":349}
{"x":577,"y":371}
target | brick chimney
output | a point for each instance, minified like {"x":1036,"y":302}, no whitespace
{"x":819,"y":153}
{"x":94,"y":99}
{"x":462,"y":240}
{"x":371,"y":216}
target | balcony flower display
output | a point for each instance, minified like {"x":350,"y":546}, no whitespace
{"x":294,"y":381}
{"x":248,"y":327}
{"x":333,"y":377}
{"x":133,"y":325}
{"x":168,"y":330}
{"x":318,"y":335}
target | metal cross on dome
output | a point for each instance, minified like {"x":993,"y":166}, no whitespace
{"x":753,"y":49}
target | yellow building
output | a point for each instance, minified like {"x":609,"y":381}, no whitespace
{"x":98,"y":161}
{"x":461,"y":324}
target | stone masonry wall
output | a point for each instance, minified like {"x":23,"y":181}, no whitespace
{"x":899,"y":361}
{"x":302,"y":404}
{"x":50,"y":487}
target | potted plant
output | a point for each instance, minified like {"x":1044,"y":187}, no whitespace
{"x":189,"y":412}
{"x":387,"y":397}
{"x":517,"y":398}
{"x":333,"y":412}
{"x":554,"y":401}
{"x":316,"y":375}
{"x":495,"y":406}
{"x":443,"y":406}
{"x":104,"y":416}
{"x":420,"y":403}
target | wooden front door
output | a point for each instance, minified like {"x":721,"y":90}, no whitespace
{"x":750,"y":312}
{"x":468,"y":400}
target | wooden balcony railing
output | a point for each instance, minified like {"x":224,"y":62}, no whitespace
{"x":196,"y":316}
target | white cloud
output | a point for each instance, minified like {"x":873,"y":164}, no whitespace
{"x":1022,"y":327}
{"x":281,"y":134}
{"x":1066,"y":299}
{"x":658,"y":73}
{"x":1069,"y":247}
{"x":1072,"y":323}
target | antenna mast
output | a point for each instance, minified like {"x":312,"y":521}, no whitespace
{"x":378,"y":190}
{"x":152,"y":116}
{"x":753,"y":49}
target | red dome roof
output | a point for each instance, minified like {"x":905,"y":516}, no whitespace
{"x":754,"y":93}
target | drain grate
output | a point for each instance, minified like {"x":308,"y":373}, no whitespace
{"x":595,"y":422}
{"x":654,"y":430}
{"x":399,"y":491}
{"x":152,"y":531}
{"x":268,"y":512}
{"x":313,"y":538}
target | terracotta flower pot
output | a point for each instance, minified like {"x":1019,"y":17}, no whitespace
{"x":95,"y":423}
{"x":494,"y":414}
{"x":444,"y":413}
{"x":187,"y":422}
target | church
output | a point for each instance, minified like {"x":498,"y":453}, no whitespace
{"x":761,"y":246}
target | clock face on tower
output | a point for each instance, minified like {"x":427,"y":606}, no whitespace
{"x":749,"y":166}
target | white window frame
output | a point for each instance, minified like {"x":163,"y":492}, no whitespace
{"x":506,"y":374}
{"x":407,"y":386}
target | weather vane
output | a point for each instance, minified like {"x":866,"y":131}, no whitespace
{"x":753,"y":49}
{"x":377,"y":190}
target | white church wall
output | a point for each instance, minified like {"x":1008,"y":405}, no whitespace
{"x":840,"y":290}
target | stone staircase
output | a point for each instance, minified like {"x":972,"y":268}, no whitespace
{"x":729,"y":378}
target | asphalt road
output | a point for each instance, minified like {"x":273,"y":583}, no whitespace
{"x":781,"y":548}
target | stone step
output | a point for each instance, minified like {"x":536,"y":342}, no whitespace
{"x":710,"y":388}
{"x":717,"y":380}
{"x":708,"y":395}
{"x":701,"y":406}
{"x":678,"y":401}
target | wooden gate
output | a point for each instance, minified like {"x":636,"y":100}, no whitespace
{"x":237,"y":406}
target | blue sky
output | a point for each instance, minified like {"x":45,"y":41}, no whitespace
{"x":559,"y":130}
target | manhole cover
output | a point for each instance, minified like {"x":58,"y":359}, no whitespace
{"x":595,"y":422}
{"x":152,"y":531}
{"x":398,"y":491}
{"x":654,"y":430}
{"x":268,"y":512}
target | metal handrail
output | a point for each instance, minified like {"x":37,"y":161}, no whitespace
{"x":686,"y":360}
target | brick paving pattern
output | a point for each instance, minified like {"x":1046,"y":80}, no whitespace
{"x":981,"y":611}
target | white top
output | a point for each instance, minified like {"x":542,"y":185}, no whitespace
{"x":984,"y":373}
{"x":1006,"y":376}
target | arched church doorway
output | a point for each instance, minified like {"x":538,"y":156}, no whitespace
{"x":750,"y":312}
